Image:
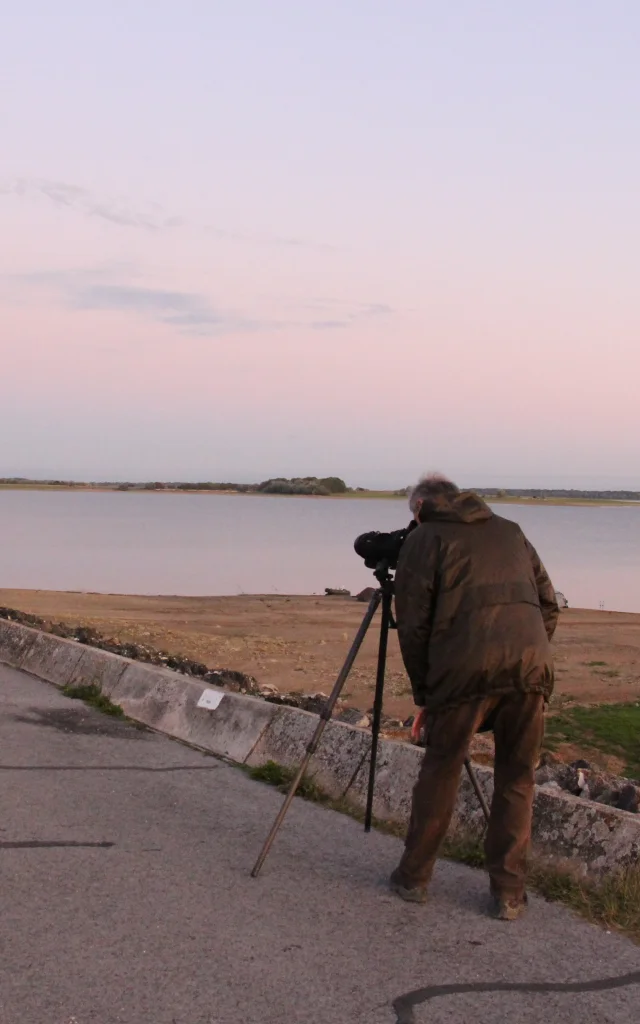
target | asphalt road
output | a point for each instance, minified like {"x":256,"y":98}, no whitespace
{"x":126,"y":899}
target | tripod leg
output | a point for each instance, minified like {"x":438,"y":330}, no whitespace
{"x":377,"y":704}
{"x":478,"y":791}
{"x":325,"y":715}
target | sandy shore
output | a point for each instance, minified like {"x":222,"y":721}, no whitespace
{"x":299,"y":643}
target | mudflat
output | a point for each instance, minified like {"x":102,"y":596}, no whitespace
{"x":299,"y":643}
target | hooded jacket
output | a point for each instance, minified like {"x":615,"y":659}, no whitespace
{"x":475,"y":607}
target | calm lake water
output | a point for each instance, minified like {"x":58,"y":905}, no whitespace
{"x":126,"y":543}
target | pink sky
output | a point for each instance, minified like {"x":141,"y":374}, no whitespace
{"x":368,"y":240}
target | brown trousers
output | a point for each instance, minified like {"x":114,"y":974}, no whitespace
{"x":518,"y":731}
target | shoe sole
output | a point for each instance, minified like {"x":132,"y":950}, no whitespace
{"x":507,"y":913}
{"x":408,"y":895}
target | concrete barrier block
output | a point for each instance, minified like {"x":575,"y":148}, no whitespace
{"x":15,"y":642}
{"x":337,"y":760}
{"x":286,"y":739}
{"x":168,"y":701}
{"x":52,"y":658}
{"x":396,"y":772}
{"x":233,"y":729}
{"x":139,"y":679}
{"x":100,"y":668}
{"x":589,"y":838}
{"x":341,"y":755}
{"x":154,"y":696}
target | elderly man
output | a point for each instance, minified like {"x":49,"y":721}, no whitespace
{"x":476,"y":612}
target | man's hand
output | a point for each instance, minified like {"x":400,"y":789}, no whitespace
{"x":419,"y":728}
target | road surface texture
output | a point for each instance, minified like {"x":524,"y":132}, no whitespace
{"x":126,"y":899}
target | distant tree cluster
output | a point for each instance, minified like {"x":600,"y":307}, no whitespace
{"x":303,"y":485}
{"x":21,"y":481}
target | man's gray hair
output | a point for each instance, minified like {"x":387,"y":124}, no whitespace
{"x":431,"y":487}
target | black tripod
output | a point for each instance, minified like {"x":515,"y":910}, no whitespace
{"x":384,"y":596}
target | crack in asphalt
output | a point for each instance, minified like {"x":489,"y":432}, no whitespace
{"x":405,"y":1004}
{"x":49,"y":844}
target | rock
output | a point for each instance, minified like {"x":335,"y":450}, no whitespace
{"x":313,"y":702}
{"x":606,"y":796}
{"x":353,"y":716}
{"x":366,"y":595}
{"x":561,"y":599}
{"x":266,"y":690}
{"x":87,"y":635}
{"x":63,"y":630}
{"x":229,"y":679}
{"x":563,"y":775}
{"x":337,"y":592}
{"x":628,"y":799}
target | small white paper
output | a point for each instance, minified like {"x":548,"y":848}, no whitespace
{"x":210,"y":699}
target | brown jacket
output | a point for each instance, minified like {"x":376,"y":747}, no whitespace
{"x":474,"y":605}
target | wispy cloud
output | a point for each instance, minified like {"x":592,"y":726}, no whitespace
{"x":150,"y":217}
{"x":115,"y":210}
{"x":114,"y":287}
{"x":172,"y":307}
{"x":189,"y":312}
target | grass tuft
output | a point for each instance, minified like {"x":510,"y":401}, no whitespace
{"x":277,"y":775}
{"x":92,"y":695}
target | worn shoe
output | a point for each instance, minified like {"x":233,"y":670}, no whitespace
{"x":507,"y":910}
{"x":417,"y":894}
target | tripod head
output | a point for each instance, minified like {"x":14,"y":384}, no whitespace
{"x":382,"y":573}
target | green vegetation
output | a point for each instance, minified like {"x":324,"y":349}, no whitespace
{"x":303,"y":485}
{"x":92,"y":695}
{"x":613,"y":903}
{"x":609,"y":728}
{"x":275,"y":774}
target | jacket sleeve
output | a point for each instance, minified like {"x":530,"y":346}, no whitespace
{"x":546,"y":592}
{"x":415,"y":590}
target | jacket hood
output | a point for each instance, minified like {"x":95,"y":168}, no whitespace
{"x":465,"y":507}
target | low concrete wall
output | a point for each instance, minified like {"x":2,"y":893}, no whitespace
{"x":586,"y":838}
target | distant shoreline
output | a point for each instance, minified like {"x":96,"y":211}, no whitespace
{"x":357,"y":495}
